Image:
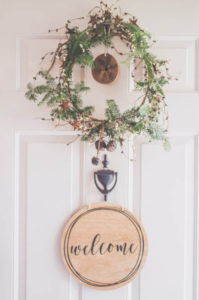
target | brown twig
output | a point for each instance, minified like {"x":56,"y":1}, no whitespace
{"x":145,"y":96}
{"x":74,"y":140}
{"x":54,"y":56}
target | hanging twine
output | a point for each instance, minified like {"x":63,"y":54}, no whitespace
{"x":100,"y":139}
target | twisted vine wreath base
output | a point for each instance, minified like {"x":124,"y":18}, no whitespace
{"x":148,"y":117}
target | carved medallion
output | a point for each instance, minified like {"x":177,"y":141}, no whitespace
{"x":106,"y":69}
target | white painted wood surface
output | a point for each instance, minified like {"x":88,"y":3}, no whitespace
{"x":42,"y":181}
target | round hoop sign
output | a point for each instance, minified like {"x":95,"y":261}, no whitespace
{"x":104,"y":246}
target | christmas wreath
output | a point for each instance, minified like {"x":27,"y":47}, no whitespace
{"x":148,"y":117}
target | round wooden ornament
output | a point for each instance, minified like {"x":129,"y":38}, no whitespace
{"x":104,"y":246}
{"x":106,"y":69}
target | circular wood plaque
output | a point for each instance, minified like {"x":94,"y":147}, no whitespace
{"x":104,"y":246}
{"x":106,"y":69}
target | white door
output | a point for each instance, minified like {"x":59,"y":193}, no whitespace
{"x":43,"y":181}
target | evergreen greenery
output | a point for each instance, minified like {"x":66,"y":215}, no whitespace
{"x":147,"y":118}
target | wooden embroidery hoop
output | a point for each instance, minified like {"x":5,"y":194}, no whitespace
{"x":116,"y":224}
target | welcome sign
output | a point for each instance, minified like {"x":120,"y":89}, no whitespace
{"x":104,"y":246}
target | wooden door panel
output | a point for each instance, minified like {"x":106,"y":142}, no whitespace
{"x":43,"y":181}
